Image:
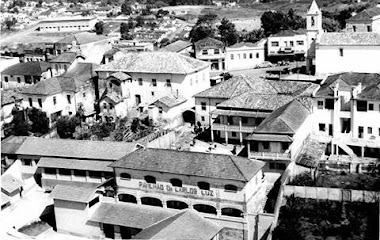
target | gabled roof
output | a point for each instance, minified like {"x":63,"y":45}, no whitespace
{"x":81,"y":73}
{"x":153,"y":62}
{"x":284,"y":120}
{"x":289,"y":33}
{"x":120,"y":75}
{"x":176,"y":46}
{"x":191,"y":163}
{"x":115,"y":97}
{"x":78,"y":164}
{"x":246,"y":44}
{"x":10,"y":183}
{"x":208,"y":43}
{"x":314,"y":9}
{"x":187,"y":224}
{"x":80,"y":149}
{"x":371,"y":92}
{"x":11,"y":144}
{"x":130,"y":215}
{"x":171,"y":100}
{"x":82,"y":38}
{"x":27,"y":69}
{"x":73,"y":194}
{"x":51,"y":86}
{"x":257,"y":101}
{"x":293,"y":88}
{"x":350,"y":38}
{"x":235,"y":86}
{"x":67,"y":57}
{"x":368,"y":80}
{"x":365,"y":15}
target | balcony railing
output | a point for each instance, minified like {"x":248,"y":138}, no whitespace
{"x":270,"y":155}
{"x":232,"y":128}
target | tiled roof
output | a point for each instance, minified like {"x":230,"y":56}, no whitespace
{"x":176,"y":46}
{"x":11,"y":144}
{"x":171,"y":101}
{"x":10,"y":183}
{"x":82,"y":38}
{"x":191,"y":163}
{"x":10,"y":95}
{"x":27,"y":69}
{"x":284,"y":120}
{"x":190,"y":224}
{"x":208,"y":43}
{"x":115,"y":97}
{"x":73,"y":194}
{"x":291,"y":87}
{"x":154,"y":62}
{"x":235,"y":86}
{"x":79,"y":164}
{"x":371,"y":92}
{"x":66,"y":57}
{"x":51,"y":86}
{"x":70,"y":19}
{"x":269,"y":137}
{"x":130,"y":215}
{"x":255,"y":101}
{"x":350,"y":38}
{"x":289,"y":33}
{"x":368,"y":80}
{"x":81,"y":149}
{"x":244,"y":44}
{"x":81,"y":73}
{"x":365,"y":15}
{"x":120,"y":75}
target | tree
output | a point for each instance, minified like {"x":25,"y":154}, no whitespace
{"x":65,"y":127}
{"x":20,"y":124}
{"x":228,"y":32}
{"x":200,"y":32}
{"x":39,"y":119}
{"x":330,"y":25}
{"x":126,"y":8}
{"x":86,"y":13}
{"x":140,"y":21}
{"x":274,"y":22}
{"x":99,"y":27}
{"x":10,"y":22}
{"x":253,"y":36}
{"x":207,"y":19}
{"x":124,"y":31}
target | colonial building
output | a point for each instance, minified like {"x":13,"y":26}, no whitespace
{"x":245,"y":55}
{"x":66,"y":60}
{"x":179,"y":46}
{"x":67,"y":24}
{"x":367,"y":20}
{"x":287,"y":44}
{"x":153,"y":75}
{"x":347,"y":108}
{"x":27,"y":73}
{"x":212,"y":51}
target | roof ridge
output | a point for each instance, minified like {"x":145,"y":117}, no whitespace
{"x":233,"y":161}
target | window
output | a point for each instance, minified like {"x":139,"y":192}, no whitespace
{"x":300,"y":43}
{"x":203,"y":106}
{"x":274,"y":44}
{"x":244,"y":55}
{"x":230,"y":188}
{"x":104,"y":105}
{"x":341,"y":52}
{"x":65,"y":172}
{"x":6,"y":79}
{"x":257,"y":55}
{"x":369,"y":130}
{"x":168,"y":83}
{"x":18,"y":79}
{"x":322,"y":127}
{"x":291,"y":43}
{"x":204,"y":185}
{"x":176,"y":182}
{"x":233,"y":134}
{"x":230,"y":120}
{"x":54,"y":100}
{"x":354,"y":28}
{"x":312,"y":21}
{"x":150,"y":179}
{"x":320,"y":104}
{"x":379,"y":131}
{"x":93,"y":202}
{"x":94,"y":174}
{"x":111,"y":106}
{"x":216,"y":51}
{"x":285,"y":146}
{"x":202,"y":118}
{"x":369,"y":29}
{"x":232,"y":57}
{"x":154,"y":82}
{"x":360,"y":132}
{"x":160,"y":110}
{"x":244,"y":120}
{"x":84,"y":95}
{"x":250,"y":55}
{"x":65,"y":67}
{"x":51,"y":171}
{"x":26,"y":162}
{"x":362,"y":106}
{"x":152,"y":93}
{"x":125,"y":176}
{"x":204,"y":52}
{"x":140,"y":81}
{"x":39,"y":102}
{"x":30,"y":102}
{"x":329,"y":103}
{"x":69,"y":99}
{"x":266,"y":145}
{"x":370,"y":107}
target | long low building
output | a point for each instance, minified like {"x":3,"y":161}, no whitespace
{"x":67,"y":24}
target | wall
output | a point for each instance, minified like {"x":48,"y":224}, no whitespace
{"x":14,"y":83}
{"x":363,"y":59}
{"x":243,"y":58}
{"x":210,"y":106}
{"x":300,"y":136}
{"x":94,"y":51}
{"x":67,"y":26}
{"x":164,"y":141}
{"x":285,"y":42}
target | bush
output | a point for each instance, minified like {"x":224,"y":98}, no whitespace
{"x":303,"y":179}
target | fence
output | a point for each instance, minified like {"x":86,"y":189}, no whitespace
{"x":333,"y":194}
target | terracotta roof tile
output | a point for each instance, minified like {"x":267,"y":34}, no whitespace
{"x":79,"y":164}
{"x":10,"y":183}
{"x":208,"y":43}
{"x":176,"y":46}
{"x":73,"y":194}
{"x":350,"y":38}
{"x":27,"y":69}
{"x":51,"y":86}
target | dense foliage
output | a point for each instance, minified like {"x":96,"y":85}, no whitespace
{"x":99,"y":27}
{"x":274,"y":22}
{"x":29,"y":120}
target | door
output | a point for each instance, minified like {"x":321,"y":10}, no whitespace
{"x":138,"y":99}
{"x":109,"y":231}
{"x":330,"y":129}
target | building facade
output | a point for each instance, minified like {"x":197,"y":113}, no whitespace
{"x":67,"y":24}
{"x":287,"y":44}
{"x":367,"y":20}
{"x":244,"y":55}
{"x":212,"y":51}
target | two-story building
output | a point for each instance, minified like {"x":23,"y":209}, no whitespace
{"x":66,"y":60}
{"x":211,"y":50}
{"x":153,"y":75}
{"x":367,"y":20}
{"x":27,"y":73}
{"x":287,"y":44}
{"x":347,"y":108}
{"x":245,"y":55}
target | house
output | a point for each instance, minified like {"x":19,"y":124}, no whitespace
{"x":211,"y":50}
{"x":154,"y":75}
{"x":280,"y":137}
{"x":347,"y":51}
{"x":347,"y":109}
{"x":287,"y":44}
{"x":11,"y":187}
{"x":27,"y":73}
{"x":30,"y":51}
{"x":66,"y":161}
{"x":244,"y":55}
{"x":10,"y":99}
{"x":66,"y":60}
{"x":367,"y":20}
{"x":71,"y":24}
{"x":179,"y":46}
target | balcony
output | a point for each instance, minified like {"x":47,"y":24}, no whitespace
{"x":270,"y":155}
{"x":232,"y":128}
